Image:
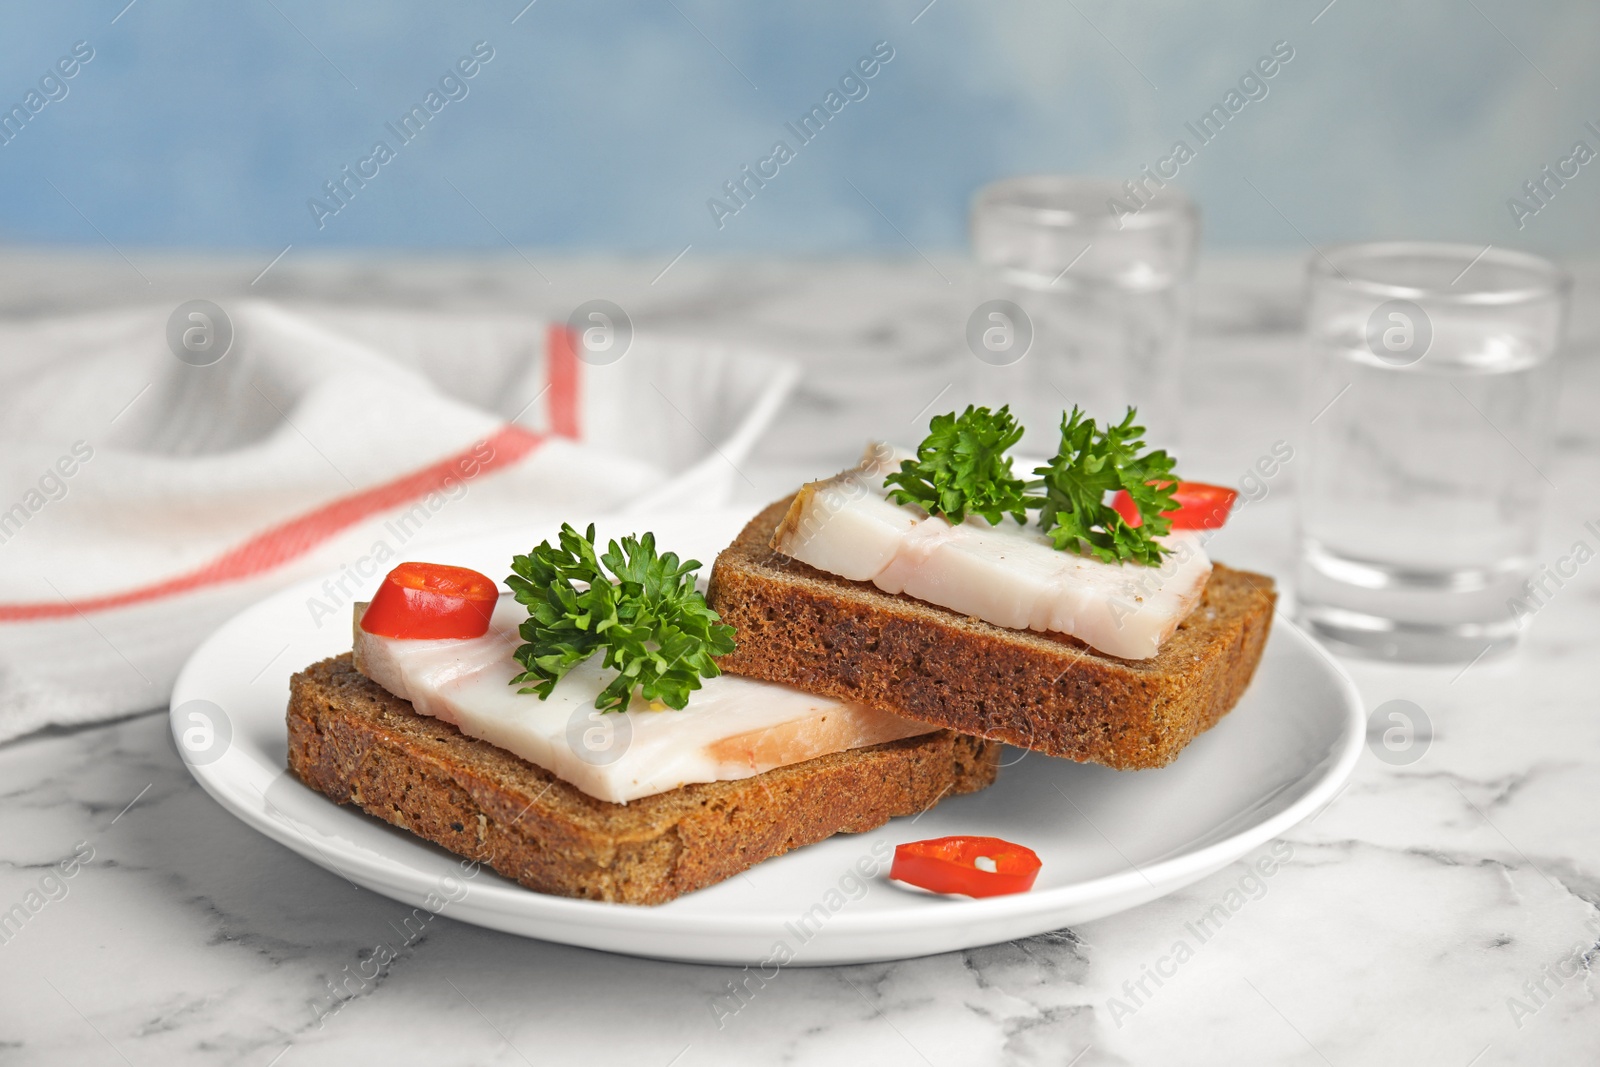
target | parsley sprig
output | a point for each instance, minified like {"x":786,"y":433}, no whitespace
{"x":962,"y":467}
{"x":1092,"y":462}
{"x":654,"y":627}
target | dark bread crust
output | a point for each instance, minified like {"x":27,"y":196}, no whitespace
{"x":1043,"y":691}
{"x":359,"y":744}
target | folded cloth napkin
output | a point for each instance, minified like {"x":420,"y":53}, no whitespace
{"x":144,"y":498}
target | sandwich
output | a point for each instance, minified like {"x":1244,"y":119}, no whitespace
{"x":578,"y":737}
{"x":1076,"y":615}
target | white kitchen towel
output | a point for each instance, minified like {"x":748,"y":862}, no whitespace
{"x":144,"y":498}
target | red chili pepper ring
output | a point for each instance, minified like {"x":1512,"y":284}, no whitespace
{"x":973,"y":866}
{"x":431,"y":601}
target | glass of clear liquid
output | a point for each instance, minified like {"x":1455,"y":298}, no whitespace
{"x":1430,"y":393}
{"x":1082,"y":297}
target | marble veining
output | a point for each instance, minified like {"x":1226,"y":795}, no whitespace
{"x":1443,"y":912}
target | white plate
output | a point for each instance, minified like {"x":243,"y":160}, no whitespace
{"x":1109,"y":840}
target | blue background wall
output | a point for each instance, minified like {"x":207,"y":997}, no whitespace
{"x":607,"y":124}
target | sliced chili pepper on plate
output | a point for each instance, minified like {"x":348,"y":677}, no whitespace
{"x":429,"y":601}
{"x":973,"y":866}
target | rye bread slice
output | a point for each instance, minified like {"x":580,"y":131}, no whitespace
{"x":1042,"y":691}
{"x":353,"y":740}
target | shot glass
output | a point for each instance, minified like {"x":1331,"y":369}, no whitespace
{"x":1082,"y":297}
{"x":1430,"y":388}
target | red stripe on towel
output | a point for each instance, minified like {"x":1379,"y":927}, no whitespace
{"x":288,"y":540}
{"x":564,"y":370}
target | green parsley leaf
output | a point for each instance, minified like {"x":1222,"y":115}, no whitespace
{"x":653,"y":626}
{"x":1091,"y":463}
{"x":962,"y":467}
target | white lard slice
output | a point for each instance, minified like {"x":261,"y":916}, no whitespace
{"x":1007,"y":574}
{"x":732,"y":728}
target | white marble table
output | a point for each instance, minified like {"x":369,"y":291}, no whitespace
{"x":1447,"y":911}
